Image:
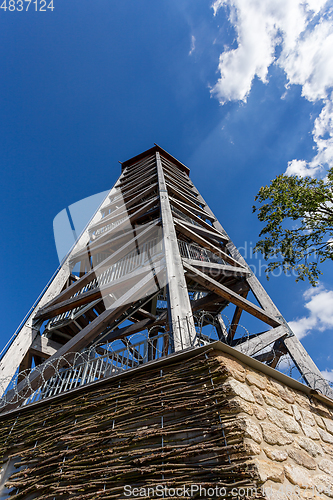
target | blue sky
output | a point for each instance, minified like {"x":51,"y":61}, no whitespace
{"x":238,"y":90}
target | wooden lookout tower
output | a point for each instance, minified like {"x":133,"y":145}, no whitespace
{"x":134,"y":317}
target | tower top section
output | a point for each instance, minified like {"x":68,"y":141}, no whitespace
{"x":151,"y":151}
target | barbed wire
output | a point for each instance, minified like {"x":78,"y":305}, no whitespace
{"x":109,"y":358}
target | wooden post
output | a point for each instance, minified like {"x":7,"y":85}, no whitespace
{"x":180,"y":312}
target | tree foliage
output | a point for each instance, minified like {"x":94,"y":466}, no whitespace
{"x":298,"y":235}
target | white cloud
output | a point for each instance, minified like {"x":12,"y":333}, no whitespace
{"x":327,"y":374}
{"x":319,"y":302}
{"x":303,"y":30}
{"x":192,"y":45}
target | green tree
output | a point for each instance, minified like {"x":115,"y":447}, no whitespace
{"x":298,"y":235}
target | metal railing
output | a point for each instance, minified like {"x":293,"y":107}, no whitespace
{"x":105,"y":228}
{"x":91,"y":365}
{"x":132,"y":261}
{"x":194,"y":252}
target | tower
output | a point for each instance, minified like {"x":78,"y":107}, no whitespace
{"x":153,"y":261}
{"x":126,"y":380}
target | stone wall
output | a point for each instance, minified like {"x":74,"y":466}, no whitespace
{"x":209,"y":420}
{"x":288,"y":435}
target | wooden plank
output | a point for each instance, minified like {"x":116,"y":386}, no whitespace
{"x":205,"y":233}
{"x":129,"y":220}
{"x":258,"y":290}
{"x":78,"y":285}
{"x":221,"y":329}
{"x":220,"y":268}
{"x":198,"y":211}
{"x":180,"y":195}
{"x":128,"y":236}
{"x":259,"y":342}
{"x":235,"y":320}
{"x":44,"y":347}
{"x":142,"y":184}
{"x":120,"y":215}
{"x":203,"y":242}
{"x":307,"y":367}
{"x":144,"y":287}
{"x":180,"y":313}
{"x":191,"y":213}
{"x":129,"y":202}
{"x":186,"y":189}
{"x":145,"y":324}
{"x":137,"y":176}
{"x":231,"y":296}
{"x":92,"y":295}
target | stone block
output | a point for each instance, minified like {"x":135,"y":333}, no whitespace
{"x":235,"y":388}
{"x":276,"y":454}
{"x":274,"y":435}
{"x":298,"y":476}
{"x":307,"y":417}
{"x":326,"y":466}
{"x":282,"y":420}
{"x":319,"y":421}
{"x":323,"y":485}
{"x":302,"y":400}
{"x":302,"y":458}
{"x":257,"y":379}
{"x":274,"y":386}
{"x":328,"y":425}
{"x":274,"y":401}
{"x":325,"y":436}
{"x":257,"y":395}
{"x":252,"y":430}
{"x":312,"y":447}
{"x":239,"y":405}
{"x":274,"y":493}
{"x":310,"y":432}
{"x":328,"y":449}
{"x":287,"y":395}
{"x":268,"y":470}
{"x":259,"y":412}
{"x":251,"y":447}
{"x":231,"y":367}
{"x":297,"y":413}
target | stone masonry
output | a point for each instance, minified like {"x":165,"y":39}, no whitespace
{"x":288,"y":435}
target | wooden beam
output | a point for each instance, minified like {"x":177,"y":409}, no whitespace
{"x":259,"y":342}
{"x":220,"y":268}
{"x":307,"y":367}
{"x":206,"y":244}
{"x":221,"y":329}
{"x":198,"y":211}
{"x":128,"y":236}
{"x":130,"y":201}
{"x":78,"y":285}
{"x":129,"y":220}
{"x":186,"y":211}
{"x":92,"y":295}
{"x":44,"y":347}
{"x":180,"y":195}
{"x":235,"y":320}
{"x":231,"y":296}
{"x":180,"y":313}
{"x":145,"y":324}
{"x":144,"y":287}
{"x":205,"y":233}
